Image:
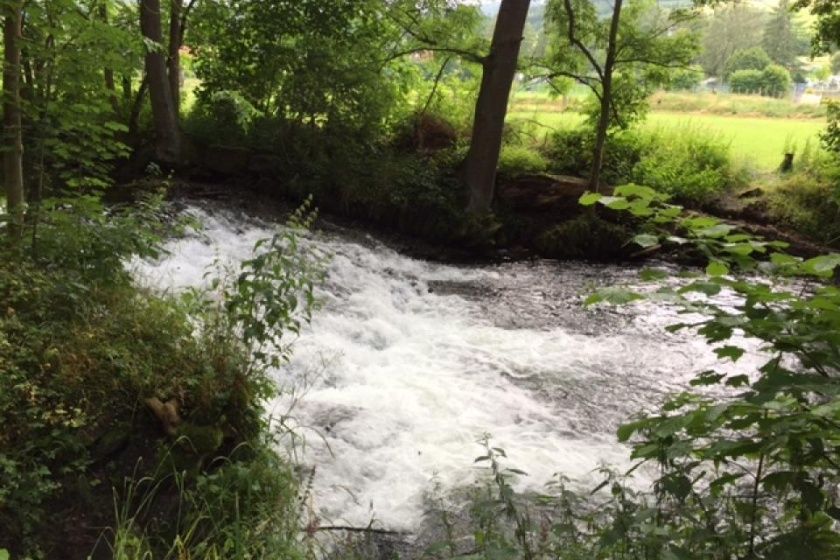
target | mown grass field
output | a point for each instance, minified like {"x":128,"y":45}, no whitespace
{"x":757,"y":141}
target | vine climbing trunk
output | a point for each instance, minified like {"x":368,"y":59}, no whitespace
{"x":606,"y":99}
{"x":12,"y":131}
{"x":164,"y":109}
{"x":498,"y":72}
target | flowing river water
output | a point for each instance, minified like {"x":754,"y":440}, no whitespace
{"x":408,"y":363}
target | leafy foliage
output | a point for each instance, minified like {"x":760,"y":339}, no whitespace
{"x":651,"y":41}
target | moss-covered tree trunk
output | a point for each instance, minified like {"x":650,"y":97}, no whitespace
{"x":606,"y":99}
{"x":164,"y":110}
{"x":12,"y":132}
{"x":499,"y":69}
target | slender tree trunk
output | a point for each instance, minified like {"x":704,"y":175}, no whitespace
{"x":108,"y":73}
{"x":174,"y":60}
{"x":13,"y":135}
{"x":606,"y":100}
{"x":164,"y":114}
{"x":499,"y":69}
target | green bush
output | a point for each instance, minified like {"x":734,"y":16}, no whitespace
{"x":584,"y":237}
{"x":808,"y":201}
{"x":754,"y":58}
{"x":776,"y":81}
{"x":772,"y":81}
{"x":520,"y":160}
{"x":747,"y":81}
{"x":224,"y":117}
{"x":570,"y":152}
{"x":685,"y":79}
{"x":688,"y":163}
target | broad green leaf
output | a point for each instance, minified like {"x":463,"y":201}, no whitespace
{"x":589,"y":198}
{"x":823,"y":265}
{"x":717,"y":268}
{"x":646,"y":240}
{"x":640,"y":191}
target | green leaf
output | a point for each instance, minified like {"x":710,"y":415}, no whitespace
{"x":732,"y":352}
{"x":646,"y":240}
{"x":589,"y":198}
{"x":625,"y":431}
{"x":823,"y":265}
{"x":648,"y":274}
{"x":640,"y":191}
{"x":717,"y":268}
{"x":615,"y":202}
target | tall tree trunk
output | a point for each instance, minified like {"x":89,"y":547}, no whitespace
{"x":164,"y":114}
{"x":12,"y":131}
{"x":174,"y":59}
{"x":499,"y":69}
{"x":606,"y":100}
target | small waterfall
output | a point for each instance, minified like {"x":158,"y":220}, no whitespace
{"x":408,"y":363}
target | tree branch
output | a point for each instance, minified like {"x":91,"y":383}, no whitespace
{"x":573,"y":39}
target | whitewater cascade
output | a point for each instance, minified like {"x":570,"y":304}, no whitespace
{"x":408,"y":363}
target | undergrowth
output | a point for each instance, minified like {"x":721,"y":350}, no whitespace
{"x":132,"y":424}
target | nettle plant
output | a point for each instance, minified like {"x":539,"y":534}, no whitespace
{"x":753,"y":471}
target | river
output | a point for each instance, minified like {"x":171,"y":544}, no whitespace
{"x":408,"y":363}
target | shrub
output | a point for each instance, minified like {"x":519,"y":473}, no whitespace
{"x":570,"y":152}
{"x":772,"y":81}
{"x":685,"y":79}
{"x":808,"y":201}
{"x":586,"y":236}
{"x":688,"y":163}
{"x":520,"y":160}
{"x":775,"y":81}
{"x":754,"y":58}
{"x":224,"y":117}
{"x":747,"y":81}
{"x":835,"y":63}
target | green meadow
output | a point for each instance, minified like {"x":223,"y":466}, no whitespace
{"x":757,"y":141}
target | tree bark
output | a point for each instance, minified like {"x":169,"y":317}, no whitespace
{"x":164,"y":113}
{"x":174,"y":59}
{"x":606,"y":100}
{"x":499,"y":69}
{"x":13,"y":135}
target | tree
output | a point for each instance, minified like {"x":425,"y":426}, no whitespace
{"x":498,"y":71}
{"x":12,"y":129}
{"x":826,"y":36}
{"x":164,"y":109}
{"x":730,"y":29}
{"x":621,"y":59}
{"x":747,"y":59}
{"x":783,"y":40}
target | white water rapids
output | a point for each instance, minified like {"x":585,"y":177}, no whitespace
{"x":408,"y":363}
